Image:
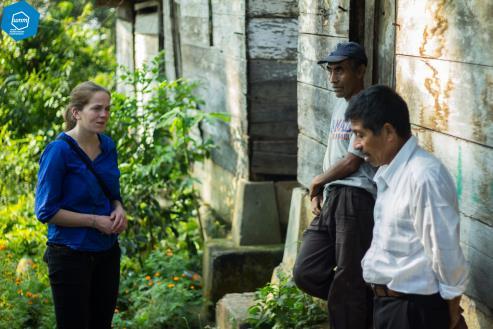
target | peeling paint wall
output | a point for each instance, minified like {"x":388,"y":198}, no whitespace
{"x":444,"y":70}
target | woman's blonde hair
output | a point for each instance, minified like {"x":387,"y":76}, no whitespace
{"x":79,"y":97}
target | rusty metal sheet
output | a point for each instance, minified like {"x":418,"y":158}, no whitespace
{"x":460,"y":30}
{"x":470,"y":166}
{"x":450,"y":97}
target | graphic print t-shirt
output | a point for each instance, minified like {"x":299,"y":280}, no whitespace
{"x":339,"y":143}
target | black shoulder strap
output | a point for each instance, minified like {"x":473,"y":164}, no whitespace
{"x":88,"y":163}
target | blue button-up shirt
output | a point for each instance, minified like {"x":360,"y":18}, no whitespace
{"x":65,"y":182}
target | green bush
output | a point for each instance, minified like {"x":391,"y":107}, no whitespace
{"x":38,"y":73}
{"x":25,"y":296}
{"x":163,"y":293}
{"x":284,"y":306}
{"x":155,"y":130}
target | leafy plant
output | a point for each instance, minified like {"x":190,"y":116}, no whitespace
{"x":38,"y":73}
{"x":156,"y":133}
{"x":283,"y":305}
{"x":164,"y":293}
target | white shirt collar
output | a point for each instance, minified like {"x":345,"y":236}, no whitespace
{"x":388,"y":173}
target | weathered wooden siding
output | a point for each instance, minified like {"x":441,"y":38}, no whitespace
{"x":444,"y":70}
{"x":124,"y":49}
{"x":213,"y":54}
{"x":272,"y":38}
{"x":323,"y":24}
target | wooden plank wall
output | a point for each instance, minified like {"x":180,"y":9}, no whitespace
{"x":322,"y":25}
{"x":272,"y":37}
{"x":444,"y":70}
{"x":212,"y":44}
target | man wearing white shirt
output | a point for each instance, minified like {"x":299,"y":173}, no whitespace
{"x":414,"y":264}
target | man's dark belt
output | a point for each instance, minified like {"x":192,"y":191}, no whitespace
{"x":381,"y":290}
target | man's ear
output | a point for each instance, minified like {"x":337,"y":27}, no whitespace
{"x":361,"y":71}
{"x":389,"y":131}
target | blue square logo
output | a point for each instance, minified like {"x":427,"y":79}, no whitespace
{"x":20,"y":20}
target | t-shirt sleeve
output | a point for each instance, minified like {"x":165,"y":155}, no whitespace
{"x":352,"y":150}
{"x":50,"y":179}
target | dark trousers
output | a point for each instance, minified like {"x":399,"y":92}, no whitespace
{"x":411,"y":312}
{"x":84,"y":286}
{"x":328,"y":265}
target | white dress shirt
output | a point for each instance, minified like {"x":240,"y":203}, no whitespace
{"x":415,"y":247}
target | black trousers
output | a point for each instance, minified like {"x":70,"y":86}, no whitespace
{"x":328,"y":265}
{"x":84,"y":286}
{"x":411,"y":312}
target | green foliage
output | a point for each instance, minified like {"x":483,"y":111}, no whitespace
{"x":18,"y":165}
{"x":38,"y":73}
{"x":25,"y":296}
{"x":157,"y":144}
{"x":162,"y":293}
{"x":283,"y":306}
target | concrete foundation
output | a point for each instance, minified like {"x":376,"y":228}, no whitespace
{"x":232,"y":269}
{"x":256,"y":219}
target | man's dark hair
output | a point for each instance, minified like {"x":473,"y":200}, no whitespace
{"x":377,"y":105}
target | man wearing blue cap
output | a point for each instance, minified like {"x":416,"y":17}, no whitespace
{"x":328,"y":265}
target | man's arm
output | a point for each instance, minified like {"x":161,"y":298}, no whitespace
{"x":437,"y":225}
{"x":342,"y":168}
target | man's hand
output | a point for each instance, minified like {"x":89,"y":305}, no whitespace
{"x":317,"y":204}
{"x":454,"y":311}
{"x":316,"y":186}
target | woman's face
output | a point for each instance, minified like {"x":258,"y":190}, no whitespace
{"x":95,"y":114}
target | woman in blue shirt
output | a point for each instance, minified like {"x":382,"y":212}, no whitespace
{"x":83,"y":219}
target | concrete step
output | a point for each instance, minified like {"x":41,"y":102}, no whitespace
{"x":232,"y":312}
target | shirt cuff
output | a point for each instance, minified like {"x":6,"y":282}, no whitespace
{"x":450,"y":292}
{"x":45,"y":215}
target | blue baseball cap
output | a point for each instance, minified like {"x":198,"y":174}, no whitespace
{"x":345,"y":50}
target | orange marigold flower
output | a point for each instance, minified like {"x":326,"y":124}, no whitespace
{"x":3,"y":247}
{"x":19,"y":291}
{"x":29,"y":294}
{"x":175,"y":278}
{"x":148,"y":277}
{"x":157,"y":274}
{"x":171,"y":285}
{"x":192,"y":286}
{"x":30,"y":302}
{"x":150,"y":283}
